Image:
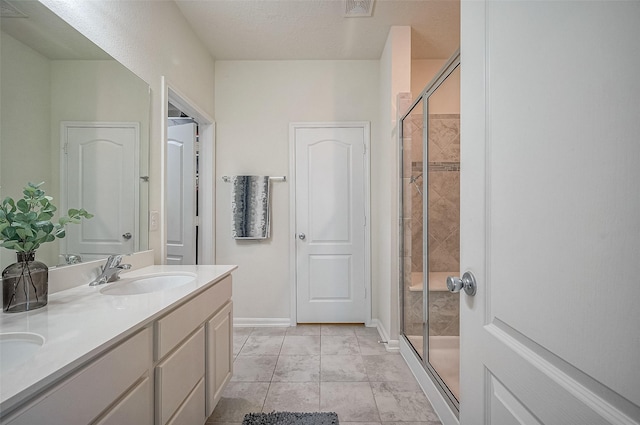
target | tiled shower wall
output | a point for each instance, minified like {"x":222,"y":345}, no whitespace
{"x":443,"y":178}
{"x":412,"y":221}
{"x":444,"y":193}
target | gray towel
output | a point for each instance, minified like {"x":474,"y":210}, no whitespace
{"x":250,"y":207}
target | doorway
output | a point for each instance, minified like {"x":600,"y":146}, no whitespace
{"x":188,"y":116}
{"x":182,"y":188}
{"x":430,"y":236}
{"x":330,"y":226}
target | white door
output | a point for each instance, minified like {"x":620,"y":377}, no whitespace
{"x":330,"y":221}
{"x":550,"y":211}
{"x":100,"y":174}
{"x":181,"y":199}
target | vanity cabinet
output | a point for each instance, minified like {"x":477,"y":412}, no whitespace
{"x":192,"y":371}
{"x":119,"y":377}
{"x":171,"y":371}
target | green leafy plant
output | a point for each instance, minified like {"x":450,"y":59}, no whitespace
{"x":26,"y":224}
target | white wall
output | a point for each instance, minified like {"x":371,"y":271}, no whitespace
{"x":255,"y":102}
{"x":395,"y":78}
{"x":24,"y":125}
{"x":152,"y":39}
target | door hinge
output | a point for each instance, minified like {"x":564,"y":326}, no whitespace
{"x":364,"y":151}
{"x":365,"y":221}
{"x":65,"y":148}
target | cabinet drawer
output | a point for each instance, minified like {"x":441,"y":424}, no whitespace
{"x":172,"y":328}
{"x":177,"y":376}
{"x":192,"y":410}
{"x":82,"y":397}
{"x":135,"y":409}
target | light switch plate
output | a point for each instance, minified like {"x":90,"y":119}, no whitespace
{"x":154,"y":221}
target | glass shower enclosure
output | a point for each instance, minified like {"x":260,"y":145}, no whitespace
{"x":430,"y":228}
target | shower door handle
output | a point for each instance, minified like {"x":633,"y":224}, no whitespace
{"x":468,"y":283}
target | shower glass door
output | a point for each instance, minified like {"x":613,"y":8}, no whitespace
{"x":443,"y":222}
{"x":412,"y":228}
{"x":430,"y":230}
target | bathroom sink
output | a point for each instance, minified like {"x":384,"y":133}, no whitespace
{"x":148,"y":284}
{"x":17,"y":347}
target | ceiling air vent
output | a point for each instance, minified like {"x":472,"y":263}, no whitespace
{"x":358,"y":8}
{"x":7,"y":10}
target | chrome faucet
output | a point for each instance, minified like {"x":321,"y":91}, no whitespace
{"x":111,"y":270}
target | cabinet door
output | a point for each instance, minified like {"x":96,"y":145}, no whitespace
{"x":219,"y":356}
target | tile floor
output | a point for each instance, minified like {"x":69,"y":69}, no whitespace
{"x":311,"y":368}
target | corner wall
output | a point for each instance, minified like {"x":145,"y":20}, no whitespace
{"x":395,"y":78}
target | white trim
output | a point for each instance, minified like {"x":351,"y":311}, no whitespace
{"x":440,"y":405}
{"x":64,"y":170}
{"x":164,"y":137}
{"x":207,"y":184}
{"x":391,"y":345}
{"x":206,"y":195}
{"x":250,"y":322}
{"x":366,"y":126}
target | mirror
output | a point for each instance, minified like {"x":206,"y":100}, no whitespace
{"x":73,"y":117}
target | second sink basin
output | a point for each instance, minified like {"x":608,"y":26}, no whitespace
{"x":148,"y":283}
{"x":17,"y":347}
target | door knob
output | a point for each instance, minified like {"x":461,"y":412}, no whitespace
{"x":302,"y":236}
{"x":468,"y":283}
{"x":127,"y":236}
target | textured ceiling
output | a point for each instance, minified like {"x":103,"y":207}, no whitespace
{"x":316,"y":29}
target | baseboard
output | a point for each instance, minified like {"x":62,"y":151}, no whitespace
{"x":256,"y":322}
{"x":440,"y":405}
{"x":390,"y":344}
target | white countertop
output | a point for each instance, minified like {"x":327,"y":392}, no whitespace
{"x":80,"y":322}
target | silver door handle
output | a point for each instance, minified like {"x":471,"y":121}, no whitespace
{"x":468,"y":283}
{"x":302,"y":236}
{"x":127,"y":236}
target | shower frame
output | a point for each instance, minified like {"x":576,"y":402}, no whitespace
{"x":449,"y":67}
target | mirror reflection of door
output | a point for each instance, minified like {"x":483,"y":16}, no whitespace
{"x":100,"y":174}
{"x":181,"y":191}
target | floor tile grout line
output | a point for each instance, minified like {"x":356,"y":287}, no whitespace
{"x":264,"y":402}
{"x":245,"y":341}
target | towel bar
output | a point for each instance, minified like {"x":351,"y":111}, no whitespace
{"x":227,"y":179}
